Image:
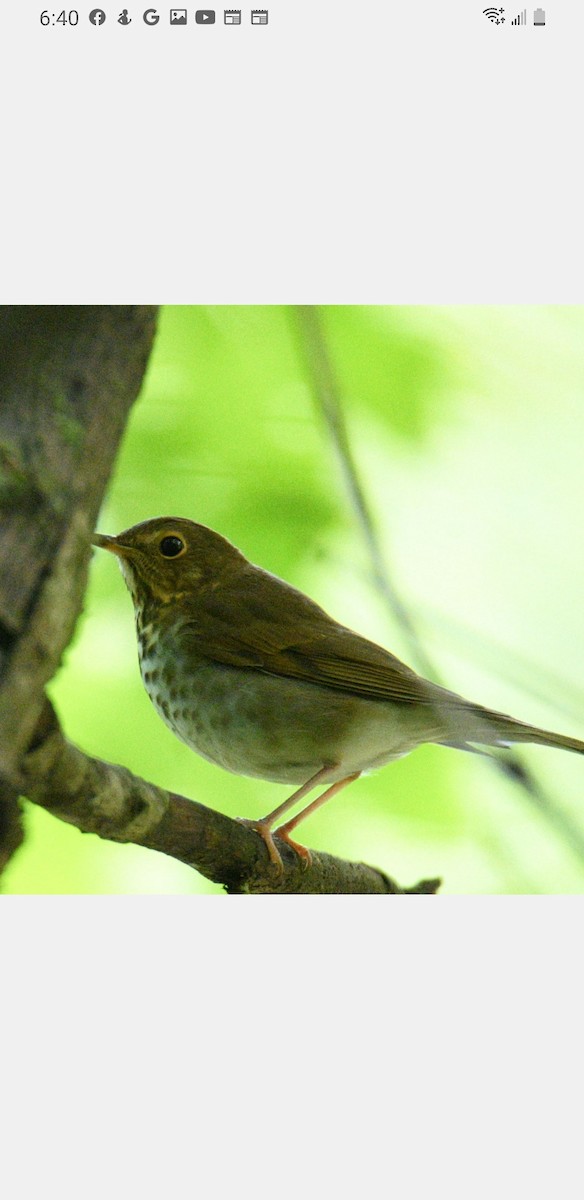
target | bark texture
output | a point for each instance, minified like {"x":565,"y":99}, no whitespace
{"x":68,"y":376}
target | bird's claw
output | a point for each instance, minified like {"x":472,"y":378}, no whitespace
{"x":301,"y":851}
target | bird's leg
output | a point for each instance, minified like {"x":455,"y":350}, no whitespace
{"x":264,"y":827}
{"x":284,"y":831}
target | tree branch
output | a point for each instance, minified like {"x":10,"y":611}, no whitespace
{"x":108,"y":800}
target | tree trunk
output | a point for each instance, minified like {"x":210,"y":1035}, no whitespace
{"x":68,"y":376}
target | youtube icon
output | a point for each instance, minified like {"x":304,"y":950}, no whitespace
{"x":205,"y":16}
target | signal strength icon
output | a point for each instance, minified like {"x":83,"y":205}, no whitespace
{"x":495,"y":15}
{"x":521,"y":18}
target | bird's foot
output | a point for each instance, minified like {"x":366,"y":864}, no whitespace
{"x":267,"y":837}
{"x":303,"y":853}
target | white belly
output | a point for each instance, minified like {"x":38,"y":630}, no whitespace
{"x":265,"y":726}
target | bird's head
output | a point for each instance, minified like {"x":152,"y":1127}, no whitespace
{"x":169,"y":557}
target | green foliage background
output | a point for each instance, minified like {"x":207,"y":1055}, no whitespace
{"x":467,"y":424}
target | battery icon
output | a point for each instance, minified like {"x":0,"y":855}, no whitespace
{"x":539,"y":16}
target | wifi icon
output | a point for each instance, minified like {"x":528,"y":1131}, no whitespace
{"x":495,"y":15}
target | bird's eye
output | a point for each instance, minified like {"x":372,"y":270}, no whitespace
{"x":171,"y":546}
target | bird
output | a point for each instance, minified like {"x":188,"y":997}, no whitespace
{"x":257,"y":678}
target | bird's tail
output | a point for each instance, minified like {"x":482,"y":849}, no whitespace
{"x":510,"y":730}
{"x":490,"y":728}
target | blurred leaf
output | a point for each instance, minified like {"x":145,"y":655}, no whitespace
{"x":385,"y":365}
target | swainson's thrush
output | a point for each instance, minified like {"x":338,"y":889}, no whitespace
{"x":257,"y":678}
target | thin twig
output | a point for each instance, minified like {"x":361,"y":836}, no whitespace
{"x":326,"y":394}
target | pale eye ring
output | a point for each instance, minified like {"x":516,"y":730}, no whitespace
{"x":171,"y":546}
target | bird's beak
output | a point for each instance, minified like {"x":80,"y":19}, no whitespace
{"x":105,"y":542}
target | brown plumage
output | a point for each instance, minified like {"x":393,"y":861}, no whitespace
{"x":255,"y":676}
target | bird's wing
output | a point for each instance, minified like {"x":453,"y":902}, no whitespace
{"x":258,"y":626}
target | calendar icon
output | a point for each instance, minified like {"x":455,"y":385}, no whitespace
{"x":232,"y":16}
{"x":259,"y":16}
